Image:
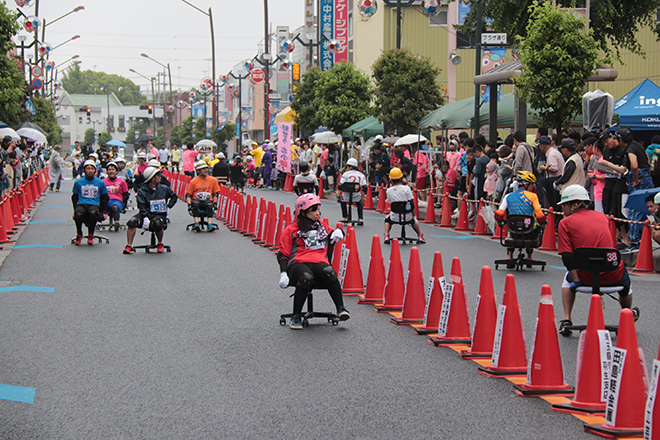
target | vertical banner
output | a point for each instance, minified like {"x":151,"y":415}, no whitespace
{"x":244,"y":117}
{"x":327,"y":28}
{"x":284,"y":147}
{"x":490,"y":59}
{"x":222,"y":120}
{"x":209,"y":124}
{"x":273,"y":109}
{"x":341,"y":30}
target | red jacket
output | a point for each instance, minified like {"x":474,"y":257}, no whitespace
{"x":310,"y":247}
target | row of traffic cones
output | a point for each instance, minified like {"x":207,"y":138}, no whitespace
{"x":16,"y":206}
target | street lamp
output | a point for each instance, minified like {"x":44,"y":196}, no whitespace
{"x":43,"y":29}
{"x":153,"y":97}
{"x":210,"y":16}
{"x":75,"y":37}
{"x":72,"y":58}
{"x":169,"y":73}
{"x":240,"y":79}
{"x":311,"y":44}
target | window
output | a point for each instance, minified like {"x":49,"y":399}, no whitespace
{"x":80,"y":121}
{"x":657,"y":16}
{"x":121,"y":122}
{"x":439,"y":20}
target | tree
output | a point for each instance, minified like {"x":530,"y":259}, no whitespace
{"x":614,"y":23}
{"x":12,"y":84}
{"x":406,"y":89}
{"x":228,"y":132}
{"x":305,"y":105}
{"x":200,"y":129}
{"x":160,"y":137}
{"x":344,"y":97}
{"x":555,"y":38}
{"x":90,"y":136}
{"x":46,"y":119}
{"x":104,"y":138}
{"x":99,"y":83}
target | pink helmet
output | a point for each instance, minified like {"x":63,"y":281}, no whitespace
{"x":305,"y":202}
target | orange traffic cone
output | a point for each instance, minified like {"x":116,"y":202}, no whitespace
{"x":414,"y":301}
{"x":545,"y":374}
{"x":462,"y":224}
{"x":652,"y":407}
{"x":252,"y":221}
{"x":480,"y":223}
{"x":245,"y":227}
{"x":416,"y":201}
{"x":645,"y":255}
{"x":626,"y":408}
{"x":445,"y":221}
{"x":260,"y":222}
{"x":382,"y":197}
{"x":434,"y":300}
{"x":352,"y":282}
{"x":393,"y":294}
{"x":454,"y":323}
{"x":430,"y":211}
{"x":269,"y":237}
{"x":368,"y":200}
{"x":288,"y":183}
{"x":321,"y":192}
{"x":287,"y":216}
{"x":549,"y":236}
{"x":486,"y":319}
{"x":6,"y":216}
{"x":591,"y":367}
{"x":373,"y":293}
{"x":509,"y":348}
{"x":278,"y":233}
{"x":500,"y":231}
{"x":338,"y":247}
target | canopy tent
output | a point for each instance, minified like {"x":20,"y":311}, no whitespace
{"x":440,"y":117}
{"x":285,"y":115}
{"x":639,"y":109}
{"x":365,"y":128}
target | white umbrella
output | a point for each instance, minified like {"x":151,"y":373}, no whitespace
{"x":326,"y":137}
{"x":32,"y":133}
{"x":9,"y":132}
{"x":206,"y":143}
{"x":410,"y":139}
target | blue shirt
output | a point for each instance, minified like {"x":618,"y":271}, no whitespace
{"x":463,"y":163}
{"x":89,"y":191}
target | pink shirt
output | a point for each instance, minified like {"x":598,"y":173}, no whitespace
{"x":453,"y":157}
{"x":189,"y":160}
{"x":423,"y":162}
{"x":598,"y":184}
{"x":116,"y":188}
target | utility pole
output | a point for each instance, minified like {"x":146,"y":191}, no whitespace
{"x":477,"y":63}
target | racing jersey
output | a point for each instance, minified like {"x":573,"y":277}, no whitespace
{"x":153,"y":202}
{"x":305,"y":247}
{"x":521,"y":202}
{"x":353,"y":176}
{"x":203,"y":188}
{"x":89,"y":191}
{"x":116,"y":188}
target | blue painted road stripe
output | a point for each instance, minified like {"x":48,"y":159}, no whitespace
{"x":463,"y":237}
{"x":27,"y":289}
{"x":557,"y":267}
{"x":17,"y":394}
{"x":48,"y":221}
{"x":27,"y":246}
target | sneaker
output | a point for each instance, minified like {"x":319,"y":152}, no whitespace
{"x":630,"y":249}
{"x":197,"y":227}
{"x":455,"y":215}
{"x":562,"y":327}
{"x":90,"y":239}
{"x":387,"y":238}
{"x":420,"y":238}
{"x":471,"y":216}
{"x":212,"y":227}
{"x":345,"y":219}
{"x":635,"y":311}
{"x":57,"y":190}
{"x":78,"y":240}
{"x":343,"y":314}
{"x":160,"y":248}
{"x":129,"y":249}
{"x":296,"y":322}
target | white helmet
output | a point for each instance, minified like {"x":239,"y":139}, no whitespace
{"x":142,"y":155}
{"x":574,"y":193}
{"x":220,"y":156}
{"x":89,"y":163}
{"x":201,"y":164}
{"x":352,"y":162}
{"x":149,"y":173}
{"x":154,"y":163}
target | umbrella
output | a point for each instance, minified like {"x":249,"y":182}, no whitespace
{"x":391,"y":139}
{"x":32,"y":133}
{"x":326,"y":137}
{"x":145,"y":138}
{"x":116,"y":143}
{"x":31,"y":125}
{"x":7,"y":131}
{"x":247,"y":143}
{"x":321,"y":129}
{"x":410,"y":139}
{"x":206,"y":143}
{"x":637,"y":200}
{"x":3,"y":125}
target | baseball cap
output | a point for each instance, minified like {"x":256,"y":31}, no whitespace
{"x":544,"y":140}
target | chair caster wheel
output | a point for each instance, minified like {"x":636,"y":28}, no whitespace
{"x":282,"y":321}
{"x":497,"y":266}
{"x":305,"y":323}
{"x":335,"y":322}
{"x":542,"y":268}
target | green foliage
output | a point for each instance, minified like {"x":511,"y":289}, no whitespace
{"x":406,"y":89}
{"x":12,"y":84}
{"x":180,"y":134}
{"x":344,"y":95}
{"x":46,"y":119}
{"x":200,"y":129}
{"x":94,"y":83}
{"x":614,"y":23}
{"x":89,"y":136}
{"x":130,"y":136}
{"x":306,"y":103}
{"x":104,"y":138}
{"x":228,"y":132}
{"x":160,"y":137}
{"x":558,"y":56}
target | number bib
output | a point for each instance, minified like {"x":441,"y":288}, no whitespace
{"x":312,"y":241}
{"x":203,"y":196}
{"x":90,"y":191}
{"x":158,"y":206}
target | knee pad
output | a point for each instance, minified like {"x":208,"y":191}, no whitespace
{"x":306,"y":281}
{"x":114,"y":209}
{"x":80,"y":212}
{"x":158,"y":224}
{"x":329,"y":274}
{"x":134,"y":222}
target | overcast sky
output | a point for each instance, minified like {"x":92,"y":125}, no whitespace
{"x":114,"y":33}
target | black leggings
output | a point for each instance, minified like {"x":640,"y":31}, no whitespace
{"x":345,"y":208}
{"x":88,"y":215}
{"x":114,"y":212}
{"x":316,"y":270}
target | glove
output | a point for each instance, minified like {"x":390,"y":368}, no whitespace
{"x":284,"y":280}
{"x":337,"y":235}
{"x":499,"y":216}
{"x":555,"y":186}
{"x":542,"y":220}
{"x":575,"y":284}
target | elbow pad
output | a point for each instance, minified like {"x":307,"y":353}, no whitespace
{"x":568,"y":260}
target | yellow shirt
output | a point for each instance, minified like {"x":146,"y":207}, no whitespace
{"x":176,"y":155}
{"x":257,"y":153}
{"x":294,"y":151}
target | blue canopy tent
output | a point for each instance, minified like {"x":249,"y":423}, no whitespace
{"x":639,"y":109}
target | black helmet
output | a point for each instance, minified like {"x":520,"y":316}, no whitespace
{"x":303,"y":166}
{"x":626,"y":134}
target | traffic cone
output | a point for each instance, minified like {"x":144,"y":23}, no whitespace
{"x":652,"y":406}
{"x":462,"y":224}
{"x":269,"y":238}
{"x":288,"y":183}
{"x":260,"y":222}
{"x":321,"y":192}
{"x":414,"y":301}
{"x":430,"y":212}
{"x":3,"y":232}
{"x":480,"y":223}
{"x":416,"y":200}
{"x":394,"y":288}
{"x":500,"y":231}
{"x":388,"y":208}
{"x":549,"y":237}
{"x":287,"y":216}
{"x":368,"y":200}
{"x":373,"y":293}
{"x":252,"y":220}
{"x":382,"y":198}
{"x":278,"y":232}
{"x":7,"y":217}
{"x":509,"y":348}
{"x":486,"y":319}
{"x":336,"y":253}
{"x":454,"y":322}
{"x":645,"y":254}
{"x":434,"y":301}
{"x":626,"y":409}
{"x":591,"y":367}
{"x":245,"y":227}
{"x":353,"y":282}
{"x":445,"y":221}
{"x":545,"y":374}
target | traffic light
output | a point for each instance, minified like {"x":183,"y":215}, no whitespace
{"x":143,"y":106}
{"x":89,"y":111}
{"x":151,"y":109}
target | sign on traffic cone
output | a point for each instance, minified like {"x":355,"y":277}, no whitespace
{"x":462,"y":224}
{"x":434,"y":297}
{"x":626,"y":403}
{"x":509,"y":348}
{"x":645,"y":254}
{"x":454,"y":322}
{"x":414,"y":300}
{"x":652,"y":418}
{"x":373,"y":293}
{"x":486,"y":319}
{"x":549,"y":237}
{"x":545,"y":374}
{"x":480,"y":223}
{"x":368,"y":200}
{"x":352,"y":282}
{"x":393,"y":294}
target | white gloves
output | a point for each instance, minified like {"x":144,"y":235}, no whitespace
{"x":145,"y":223}
{"x":284,"y":280}
{"x":337,"y":235}
{"x":555,"y":186}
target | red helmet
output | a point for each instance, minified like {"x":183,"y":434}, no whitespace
{"x":305,"y":202}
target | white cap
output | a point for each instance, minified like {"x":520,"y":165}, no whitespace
{"x":201,"y":164}
{"x":154,"y":163}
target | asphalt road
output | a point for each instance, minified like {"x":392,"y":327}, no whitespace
{"x":187,"y":344}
